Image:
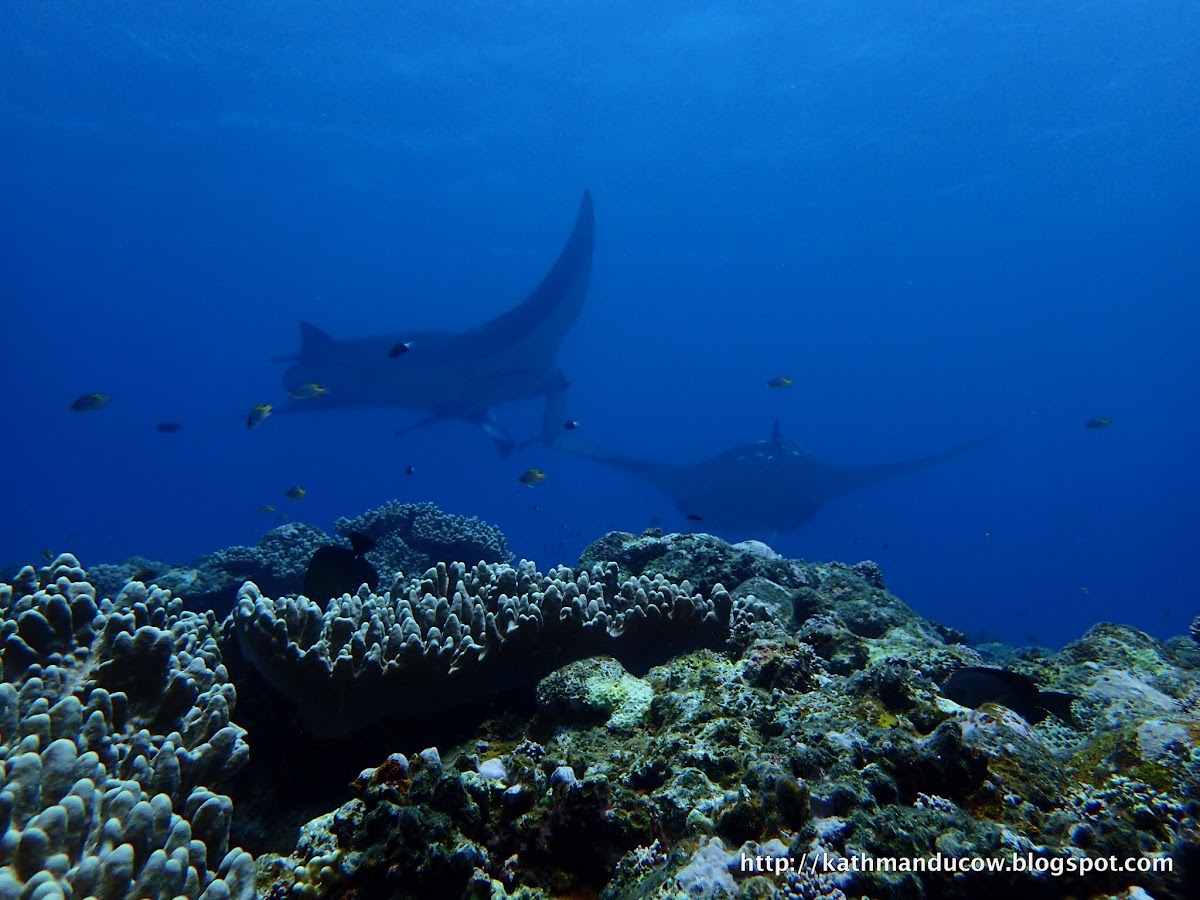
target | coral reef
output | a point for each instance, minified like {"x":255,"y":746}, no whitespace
{"x":277,"y":562}
{"x":787,"y":738}
{"x":460,"y":633}
{"x":409,"y":537}
{"x":114,"y":724}
{"x":415,"y":537}
{"x":819,"y":739}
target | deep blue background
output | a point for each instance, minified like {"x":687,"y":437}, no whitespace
{"x":940,"y":219}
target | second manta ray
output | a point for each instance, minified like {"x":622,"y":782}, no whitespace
{"x":773,"y":485}
{"x":457,"y":375}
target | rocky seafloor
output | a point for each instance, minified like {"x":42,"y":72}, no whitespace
{"x":675,"y":716}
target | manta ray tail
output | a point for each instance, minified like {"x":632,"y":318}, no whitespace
{"x":577,"y":446}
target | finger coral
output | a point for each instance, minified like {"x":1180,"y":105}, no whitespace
{"x":115,"y":720}
{"x":460,"y":632}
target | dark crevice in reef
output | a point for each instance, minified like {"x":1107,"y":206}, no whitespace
{"x":294,"y":776}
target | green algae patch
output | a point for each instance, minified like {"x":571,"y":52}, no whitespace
{"x":1119,"y":647}
{"x":1119,"y":752}
{"x":626,"y":698}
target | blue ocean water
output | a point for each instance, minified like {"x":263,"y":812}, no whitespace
{"x":941,"y":220}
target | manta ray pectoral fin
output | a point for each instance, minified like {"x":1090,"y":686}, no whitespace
{"x":456,"y":375}
{"x":421,"y":423}
{"x":851,"y":479}
{"x":314,"y":341}
{"x":537,"y":324}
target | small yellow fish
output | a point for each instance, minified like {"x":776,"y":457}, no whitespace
{"x":266,"y":508}
{"x":89,"y":402}
{"x":1097,"y":422}
{"x":295,"y":492}
{"x":307,"y":391}
{"x":780,"y":381}
{"x":258,"y":415}
{"x":530,"y":477}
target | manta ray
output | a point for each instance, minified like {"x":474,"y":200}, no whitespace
{"x":773,"y":485}
{"x":456,"y":375}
